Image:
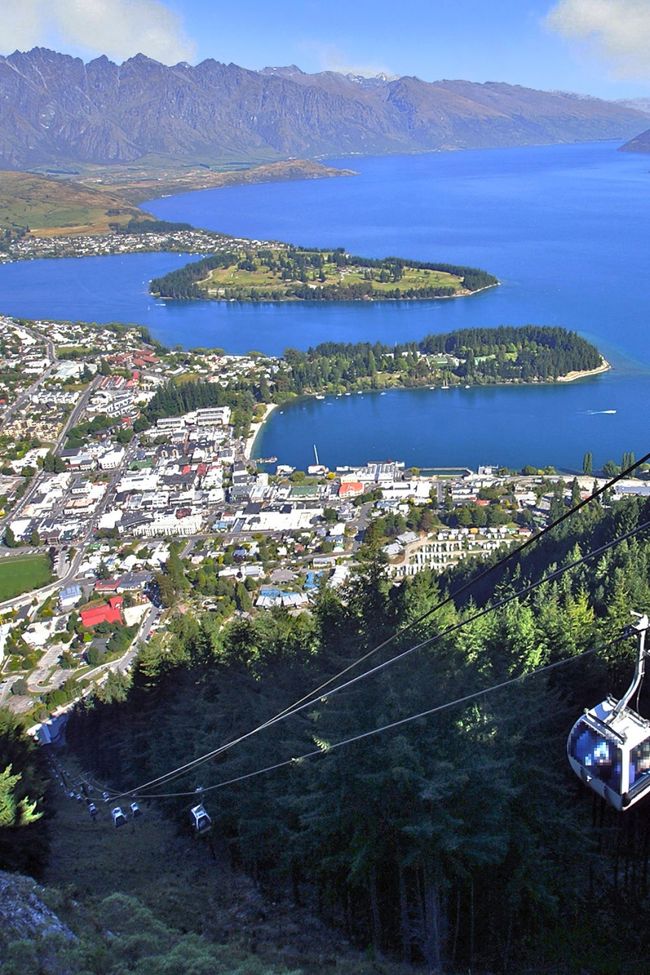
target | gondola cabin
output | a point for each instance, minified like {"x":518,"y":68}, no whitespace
{"x":609,"y":746}
{"x":611,"y":753}
{"x":200,"y":819}
{"x":119,"y":817}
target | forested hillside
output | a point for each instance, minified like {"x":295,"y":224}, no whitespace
{"x":460,"y":840}
{"x":23,"y":785}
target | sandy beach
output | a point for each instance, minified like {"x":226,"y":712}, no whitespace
{"x":255,"y":429}
{"x":572,"y":376}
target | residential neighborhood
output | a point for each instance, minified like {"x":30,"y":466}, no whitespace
{"x":25,"y":247}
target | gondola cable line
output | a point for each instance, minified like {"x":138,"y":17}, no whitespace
{"x":141,"y":793}
{"x":84,"y":786}
{"x":315,"y":694}
{"x":327,"y":748}
{"x":182,"y":770}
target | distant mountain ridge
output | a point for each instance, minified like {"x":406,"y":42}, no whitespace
{"x":641,"y":104}
{"x":57,"y":110}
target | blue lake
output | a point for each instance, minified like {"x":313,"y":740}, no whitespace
{"x":512,"y":426}
{"x":565,"y":228}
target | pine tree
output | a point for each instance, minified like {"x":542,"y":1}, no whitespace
{"x":23,"y":835}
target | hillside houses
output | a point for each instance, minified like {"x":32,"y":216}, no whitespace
{"x":410,"y":553}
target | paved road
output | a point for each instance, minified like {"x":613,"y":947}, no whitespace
{"x":36,"y":480}
{"x":123,"y":663}
{"x":24,"y":397}
{"x":49,"y":660}
{"x":80,"y":545}
{"x":41,"y":594}
{"x":76,"y":412}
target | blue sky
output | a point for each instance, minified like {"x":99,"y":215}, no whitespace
{"x":598,"y":47}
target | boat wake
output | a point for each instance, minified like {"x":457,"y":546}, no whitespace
{"x":598,"y":412}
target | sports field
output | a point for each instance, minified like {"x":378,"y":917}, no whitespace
{"x":19,"y":574}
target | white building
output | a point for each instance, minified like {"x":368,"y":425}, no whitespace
{"x":112,"y":459}
{"x":169,"y":525}
{"x":214,"y":416}
{"x":137,"y":481}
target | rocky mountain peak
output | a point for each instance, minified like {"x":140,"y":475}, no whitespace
{"x":100,"y":113}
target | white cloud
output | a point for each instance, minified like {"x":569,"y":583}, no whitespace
{"x":118,"y":28}
{"x":21,"y":24}
{"x":332,"y":58}
{"x":618,"y":31}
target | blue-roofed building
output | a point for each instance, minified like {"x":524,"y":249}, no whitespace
{"x":270,"y":592}
{"x":312,"y":579}
{"x":69,"y":597}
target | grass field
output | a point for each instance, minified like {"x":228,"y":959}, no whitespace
{"x":19,"y":574}
{"x":265,"y":280}
{"x":53,"y":206}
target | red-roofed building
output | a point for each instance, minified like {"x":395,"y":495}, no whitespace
{"x":143,"y":359}
{"x":110,"y":612}
{"x":350,"y":489}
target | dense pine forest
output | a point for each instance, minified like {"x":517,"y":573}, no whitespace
{"x":173,"y":399}
{"x":182,"y":283}
{"x":282,"y":273}
{"x":458,"y":842}
{"x":477,"y":356}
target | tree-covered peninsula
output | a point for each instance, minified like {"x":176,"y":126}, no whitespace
{"x":277,"y":272}
{"x":462,"y":358}
{"x":476,"y":356}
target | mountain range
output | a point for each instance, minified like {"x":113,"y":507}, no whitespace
{"x":56,"y":110}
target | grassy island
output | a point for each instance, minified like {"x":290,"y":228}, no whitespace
{"x":276,"y":272}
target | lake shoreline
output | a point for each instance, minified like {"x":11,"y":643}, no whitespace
{"x":256,"y":429}
{"x":292,"y":300}
{"x":425,"y":206}
{"x":571,"y":377}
